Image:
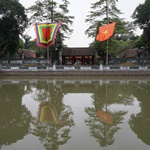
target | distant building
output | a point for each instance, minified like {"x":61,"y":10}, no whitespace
{"x":132,"y":57}
{"x":132,"y":53}
{"x":78,"y":55}
{"x":25,"y":53}
{"x":21,"y":54}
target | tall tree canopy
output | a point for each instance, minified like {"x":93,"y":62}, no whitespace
{"x":52,"y":11}
{"x":141,"y":18}
{"x":104,"y":12}
{"x":49,"y":11}
{"x":13,"y":21}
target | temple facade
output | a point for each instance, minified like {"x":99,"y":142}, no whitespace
{"x":78,"y":55}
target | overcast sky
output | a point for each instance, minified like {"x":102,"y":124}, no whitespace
{"x":80,"y":9}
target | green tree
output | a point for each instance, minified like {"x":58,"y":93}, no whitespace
{"x":104,"y":12}
{"x":51,"y":11}
{"x":40,"y":52}
{"x":13,"y":21}
{"x":142,"y":19}
{"x":26,"y":41}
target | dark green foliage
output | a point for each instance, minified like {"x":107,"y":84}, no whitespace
{"x":100,"y":15}
{"x":51,"y":11}
{"x":103,"y":14}
{"x":12,"y":23}
{"x":141,"y":18}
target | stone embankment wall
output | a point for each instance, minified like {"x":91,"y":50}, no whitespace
{"x":74,"y":70}
{"x":74,"y":73}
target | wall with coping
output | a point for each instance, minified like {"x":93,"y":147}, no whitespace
{"x":75,"y":70}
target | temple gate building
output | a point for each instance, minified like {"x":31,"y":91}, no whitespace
{"x":81,"y":55}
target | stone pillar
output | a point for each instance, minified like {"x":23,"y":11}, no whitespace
{"x":60,"y":57}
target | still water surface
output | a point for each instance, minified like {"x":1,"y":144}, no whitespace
{"x":74,"y":114}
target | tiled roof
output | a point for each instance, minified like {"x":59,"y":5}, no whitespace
{"x":28,"y":53}
{"x":131,"y":53}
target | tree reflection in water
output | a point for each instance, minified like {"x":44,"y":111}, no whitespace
{"x":52,"y":133}
{"x":55,"y":126}
{"x":140,"y":123}
{"x":14,"y":117}
{"x":103,"y":98}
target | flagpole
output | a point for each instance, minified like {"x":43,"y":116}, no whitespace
{"x":107,"y":23}
{"x":52,"y":22}
{"x":107,"y":54}
{"x":48,"y":60}
{"x":48,"y":55}
{"x":49,"y":51}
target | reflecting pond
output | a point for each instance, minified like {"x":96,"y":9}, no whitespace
{"x":74,"y":114}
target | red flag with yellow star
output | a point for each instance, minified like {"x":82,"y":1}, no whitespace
{"x":105,"y":32}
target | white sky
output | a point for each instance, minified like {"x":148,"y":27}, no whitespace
{"x":80,"y":9}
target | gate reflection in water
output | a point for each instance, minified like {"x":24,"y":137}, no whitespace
{"x":71,"y":114}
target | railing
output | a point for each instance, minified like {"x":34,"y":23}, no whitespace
{"x":113,"y":61}
{"x":71,"y":68}
{"x":139,"y":61}
{"x":20,"y":61}
{"x":41,"y":65}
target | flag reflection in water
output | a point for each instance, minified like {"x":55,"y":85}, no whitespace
{"x":48,"y":113}
{"x":104,"y":117}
